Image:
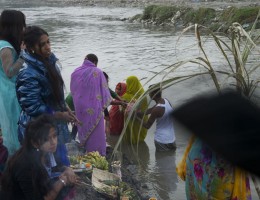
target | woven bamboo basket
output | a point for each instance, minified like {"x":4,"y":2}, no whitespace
{"x":100,"y":179}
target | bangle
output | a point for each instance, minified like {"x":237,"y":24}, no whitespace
{"x":63,"y":182}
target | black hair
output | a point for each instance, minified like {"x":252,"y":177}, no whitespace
{"x":156,"y":92}
{"x":12,"y":23}
{"x":32,"y":37}
{"x":92,"y":58}
{"x":36,"y":132}
{"x":106,"y":76}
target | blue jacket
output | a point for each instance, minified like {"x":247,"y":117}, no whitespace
{"x":34,"y":94}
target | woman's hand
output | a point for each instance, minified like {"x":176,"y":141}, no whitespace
{"x":67,"y":116}
{"x":69,"y":176}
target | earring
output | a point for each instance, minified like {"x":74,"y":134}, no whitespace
{"x":32,"y":51}
{"x":37,"y":149}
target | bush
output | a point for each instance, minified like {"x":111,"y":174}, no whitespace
{"x":148,"y":11}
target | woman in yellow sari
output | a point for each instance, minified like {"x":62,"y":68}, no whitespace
{"x":135,"y":132}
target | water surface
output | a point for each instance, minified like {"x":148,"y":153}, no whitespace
{"x":126,"y":49}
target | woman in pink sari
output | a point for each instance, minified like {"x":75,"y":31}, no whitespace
{"x":91,"y":96}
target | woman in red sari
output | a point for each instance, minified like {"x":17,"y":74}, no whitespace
{"x":116,"y":113}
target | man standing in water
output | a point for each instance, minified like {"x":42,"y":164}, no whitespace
{"x":164,"y":137}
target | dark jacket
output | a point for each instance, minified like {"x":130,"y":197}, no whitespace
{"x":34,"y":94}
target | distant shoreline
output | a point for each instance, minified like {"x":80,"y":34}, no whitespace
{"x":138,"y":3}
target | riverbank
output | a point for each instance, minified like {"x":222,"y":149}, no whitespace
{"x":144,"y":3}
{"x":216,"y":15}
{"x":139,"y":3}
{"x":183,"y":16}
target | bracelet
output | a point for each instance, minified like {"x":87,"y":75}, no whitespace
{"x":63,"y":182}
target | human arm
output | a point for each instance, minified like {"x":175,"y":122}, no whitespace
{"x":117,"y":102}
{"x":67,"y":178}
{"x":10,"y":66}
{"x":155,"y":112}
{"x":30,"y":89}
{"x":67,"y":116}
{"x":33,"y":183}
{"x":147,"y":112}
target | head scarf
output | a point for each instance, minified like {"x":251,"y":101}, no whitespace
{"x":134,"y":131}
{"x":134,"y":89}
{"x":122,"y":88}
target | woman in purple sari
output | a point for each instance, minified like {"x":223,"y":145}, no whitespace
{"x":91,"y":96}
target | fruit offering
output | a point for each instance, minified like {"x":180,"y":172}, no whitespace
{"x":91,"y":158}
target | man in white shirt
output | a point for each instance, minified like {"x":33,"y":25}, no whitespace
{"x":164,"y":137}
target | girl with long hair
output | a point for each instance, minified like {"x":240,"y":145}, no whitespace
{"x":39,"y":88}
{"x":29,"y":172}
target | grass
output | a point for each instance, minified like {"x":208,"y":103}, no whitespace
{"x":200,"y":16}
{"x":159,"y":13}
{"x":204,"y":16}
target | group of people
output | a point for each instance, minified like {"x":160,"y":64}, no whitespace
{"x":34,"y":121}
{"x":35,"y":116}
{"x":33,"y":113}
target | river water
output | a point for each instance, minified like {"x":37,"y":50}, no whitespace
{"x":125,"y":49}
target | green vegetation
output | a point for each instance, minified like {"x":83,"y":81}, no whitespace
{"x":245,"y":15}
{"x":216,"y":20}
{"x":200,"y":16}
{"x":159,"y":13}
{"x":239,"y":69}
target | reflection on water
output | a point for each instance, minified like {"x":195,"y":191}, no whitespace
{"x":124,"y":49}
{"x":164,"y":174}
{"x":155,"y":169}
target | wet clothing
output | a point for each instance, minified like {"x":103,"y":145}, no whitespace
{"x":164,"y":146}
{"x":116,"y":114}
{"x":9,"y":106}
{"x":164,"y":132}
{"x":208,"y":176}
{"x":135,"y":132}
{"x":91,"y":96}
{"x":35,"y":96}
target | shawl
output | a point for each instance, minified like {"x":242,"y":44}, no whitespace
{"x":134,"y":89}
{"x":122,"y":88}
{"x":91,"y":96}
{"x":134,"y":131}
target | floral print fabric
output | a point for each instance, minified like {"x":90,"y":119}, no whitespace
{"x":209,"y":176}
